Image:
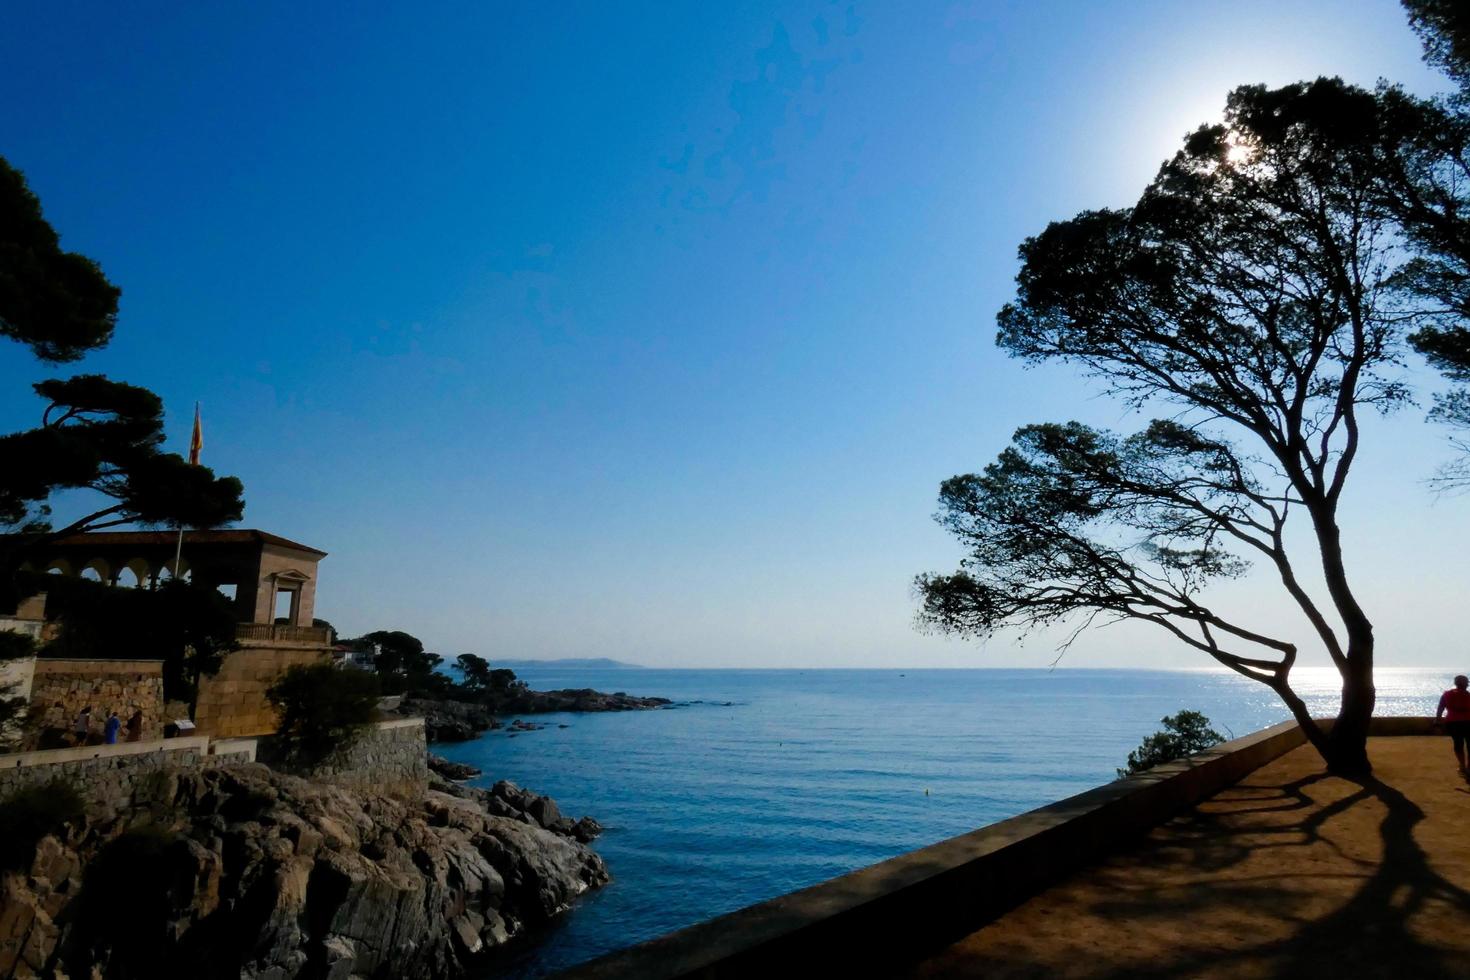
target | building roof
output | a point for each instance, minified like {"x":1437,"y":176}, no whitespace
{"x":227,"y":536}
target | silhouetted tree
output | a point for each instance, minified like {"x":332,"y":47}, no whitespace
{"x":402,"y":663}
{"x":1183,"y":735}
{"x":1427,"y":185}
{"x":504,"y":679}
{"x":191,"y":628}
{"x":474,"y":671}
{"x":94,"y":434}
{"x":1444,"y":28}
{"x":1249,"y":290}
{"x":58,"y":303}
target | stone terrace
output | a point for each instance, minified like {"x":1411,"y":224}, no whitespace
{"x":1290,"y":873}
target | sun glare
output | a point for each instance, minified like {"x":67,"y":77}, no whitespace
{"x":1237,"y":152}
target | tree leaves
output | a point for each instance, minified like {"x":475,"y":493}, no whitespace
{"x":94,"y":434}
{"x":58,"y":303}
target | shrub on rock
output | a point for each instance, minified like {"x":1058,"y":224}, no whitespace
{"x":322,"y":708}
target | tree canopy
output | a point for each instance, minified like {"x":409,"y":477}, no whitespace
{"x":474,"y":671}
{"x":1427,"y":187}
{"x":56,"y":302}
{"x":1183,"y":735}
{"x":94,"y":434}
{"x":191,"y":628}
{"x":322,"y":709}
{"x":1253,"y":291}
{"x":402,"y":663}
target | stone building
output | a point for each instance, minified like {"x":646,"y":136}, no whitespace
{"x":270,"y":580}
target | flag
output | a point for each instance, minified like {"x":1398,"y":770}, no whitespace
{"x":196,"y":441}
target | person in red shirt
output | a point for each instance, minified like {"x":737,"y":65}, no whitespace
{"x":1454,"y":708}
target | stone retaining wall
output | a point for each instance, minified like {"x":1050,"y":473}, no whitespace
{"x":60,"y":689}
{"x":113,"y":777}
{"x":233,"y":702}
{"x":390,"y":757}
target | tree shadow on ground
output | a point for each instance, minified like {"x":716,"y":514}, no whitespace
{"x":1370,"y":934}
{"x":1297,"y":876}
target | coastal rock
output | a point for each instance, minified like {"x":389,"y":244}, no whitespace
{"x":251,"y":873}
{"x":460,"y":721}
{"x":525,"y":702}
{"x":506,"y":799}
{"x":451,"y":770}
{"x":449,"y":721}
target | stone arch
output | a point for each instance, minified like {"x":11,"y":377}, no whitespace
{"x":60,"y":566}
{"x":135,"y":574}
{"x":101,"y":571}
{"x":166,"y":572}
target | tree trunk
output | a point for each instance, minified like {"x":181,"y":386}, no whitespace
{"x":1304,"y":719}
{"x":1347,"y":745}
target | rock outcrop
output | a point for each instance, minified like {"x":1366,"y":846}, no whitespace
{"x":460,"y":721}
{"x":448,"y":721}
{"x":506,"y":799}
{"x":526,"y":702}
{"x":440,"y":766}
{"x":241,"y":871}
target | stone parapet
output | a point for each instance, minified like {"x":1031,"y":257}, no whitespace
{"x":112,"y":777}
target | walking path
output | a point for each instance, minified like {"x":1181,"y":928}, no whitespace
{"x":1290,"y":873}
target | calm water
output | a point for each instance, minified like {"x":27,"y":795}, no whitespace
{"x":809,"y":774}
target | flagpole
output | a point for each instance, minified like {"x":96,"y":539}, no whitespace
{"x":196,"y":443}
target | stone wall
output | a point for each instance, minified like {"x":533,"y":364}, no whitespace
{"x":389,"y":758}
{"x":113,"y":775}
{"x":233,"y":703}
{"x":60,"y":689}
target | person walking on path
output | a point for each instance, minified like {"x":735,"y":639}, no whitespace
{"x":81,"y":729}
{"x":1454,"y":707}
{"x":109,"y":731}
{"x":135,"y":727}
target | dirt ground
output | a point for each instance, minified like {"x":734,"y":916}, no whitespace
{"x":1291,"y":873}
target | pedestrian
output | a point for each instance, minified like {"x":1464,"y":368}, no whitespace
{"x":1454,"y":708}
{"x":135,"y":727}
{"x":109,"y":731}
{"x":82,"y":728}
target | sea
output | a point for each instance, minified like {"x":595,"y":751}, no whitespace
{"x":759,"y":782}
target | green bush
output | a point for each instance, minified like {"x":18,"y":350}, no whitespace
{"x":30,"y":814}
{"x":1184,"y":734}
{"x":322,"y":708}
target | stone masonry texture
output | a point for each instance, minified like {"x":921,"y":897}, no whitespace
{"x":60,"y":689}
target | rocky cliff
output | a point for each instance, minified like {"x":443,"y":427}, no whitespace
{"x":244,"y":872}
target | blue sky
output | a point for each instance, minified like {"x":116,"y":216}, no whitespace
{"x":645,"y":332}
